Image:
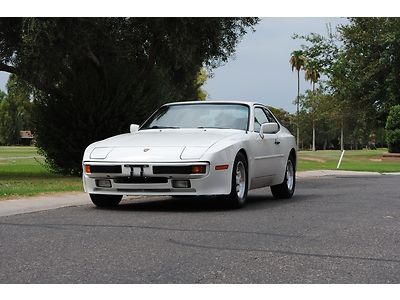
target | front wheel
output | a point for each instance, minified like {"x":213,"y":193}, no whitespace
{"x":237,"y":197}
{"x":105,"y":200}
{"x":286,"y":189}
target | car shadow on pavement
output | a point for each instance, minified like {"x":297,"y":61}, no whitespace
{"x":201,"y":204}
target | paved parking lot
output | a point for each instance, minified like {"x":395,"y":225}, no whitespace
{"x":335,"y":230}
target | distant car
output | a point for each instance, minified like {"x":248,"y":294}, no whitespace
{"x":197,"y":148}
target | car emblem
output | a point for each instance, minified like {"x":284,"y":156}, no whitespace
{"x":146,"y":149}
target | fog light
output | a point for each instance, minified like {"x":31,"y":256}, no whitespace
{"x":105,"y":183}
{"x":181,"y":183}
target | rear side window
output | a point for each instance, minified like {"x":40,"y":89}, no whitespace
{"x":270,"y":116}
{"x":259,"y":118}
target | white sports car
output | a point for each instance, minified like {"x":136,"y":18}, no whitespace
{"x":196,"y":148}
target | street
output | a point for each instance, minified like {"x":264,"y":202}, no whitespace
{"x":335,"y":230}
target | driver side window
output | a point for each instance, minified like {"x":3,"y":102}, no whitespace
{"x":259,"y":118}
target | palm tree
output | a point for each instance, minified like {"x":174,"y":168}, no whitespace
{"x":297,"y":61}
{"x":312,"y":74}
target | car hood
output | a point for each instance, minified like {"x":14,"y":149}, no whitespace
{"x":165,"y":145}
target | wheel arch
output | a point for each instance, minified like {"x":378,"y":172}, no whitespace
{"x":243,"y":151}
{"x":293,"y":154}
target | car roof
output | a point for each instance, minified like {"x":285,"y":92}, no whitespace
{"x":250,"y":103}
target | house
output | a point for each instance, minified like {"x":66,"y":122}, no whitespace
{"x":25,"y":137}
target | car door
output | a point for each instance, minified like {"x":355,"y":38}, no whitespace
{"x":266,"y":150}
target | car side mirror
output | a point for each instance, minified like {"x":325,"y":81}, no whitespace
{"x":268,"y":128}
{"x":134,"y":128}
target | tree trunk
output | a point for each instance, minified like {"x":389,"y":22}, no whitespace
{"x":298,"y":106}
{"x":313,"y":116}
{"x":313,"y":135}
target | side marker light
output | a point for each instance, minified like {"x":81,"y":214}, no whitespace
{"x":221,"y":167}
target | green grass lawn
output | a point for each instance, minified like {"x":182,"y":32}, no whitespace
{"x":353,"y":160}
{"x":22,"y":173}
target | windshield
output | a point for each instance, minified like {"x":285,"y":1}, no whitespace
{"x":226,"y":116}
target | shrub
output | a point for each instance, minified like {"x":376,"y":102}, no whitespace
{"x":393,"y":129}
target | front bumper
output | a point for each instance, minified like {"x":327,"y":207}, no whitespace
{"x":213,"y":182}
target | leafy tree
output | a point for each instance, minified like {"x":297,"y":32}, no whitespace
{"x":287,"y":119}
{"x":313,"y":112}
{"x":321,"y":51}
{"x":297,"y":61}
{"x":371,"y":54}
{"x":15,"y":111}
{"x":327,"y":114}
{"x":201,"y":78}
{"x":393,"y":129}
{"x":345,"y":58}
{"x":2,"y":95}
{"x":92,"y":77}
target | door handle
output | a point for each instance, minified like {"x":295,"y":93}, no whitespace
{"x":277,"y":142}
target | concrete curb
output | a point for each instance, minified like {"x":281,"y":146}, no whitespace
{"x":324,"y":173}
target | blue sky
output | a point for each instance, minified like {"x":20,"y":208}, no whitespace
{"x":260,"y":70}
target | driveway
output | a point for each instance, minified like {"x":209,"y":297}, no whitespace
{"x":342,"y":229}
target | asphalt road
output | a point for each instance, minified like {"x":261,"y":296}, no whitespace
{"x":335,"y":230}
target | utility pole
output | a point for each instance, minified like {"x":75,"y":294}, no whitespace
{"x":341,"y":136}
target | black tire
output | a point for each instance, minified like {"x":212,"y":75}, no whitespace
{"x":283,"y":190}
{"x":105,"y":200}
{"x":233,"y":199}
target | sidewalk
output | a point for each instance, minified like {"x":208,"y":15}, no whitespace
{"x":23,"y":205}
{"x":44,"y":202}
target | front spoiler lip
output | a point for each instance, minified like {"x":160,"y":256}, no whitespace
{"x":142,"y":191}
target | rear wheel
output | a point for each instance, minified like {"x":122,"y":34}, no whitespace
{"x":237,"y":197}
{"x":286,"y":188}
{"x":105,"y":200}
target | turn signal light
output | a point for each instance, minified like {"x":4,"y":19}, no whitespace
{"x":221,"y":167}
{"x":198,"y":169}
{"x":87,"y":169}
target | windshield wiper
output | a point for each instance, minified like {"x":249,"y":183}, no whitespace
{"x":205,"y":127}
{"x":162,"y":127}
